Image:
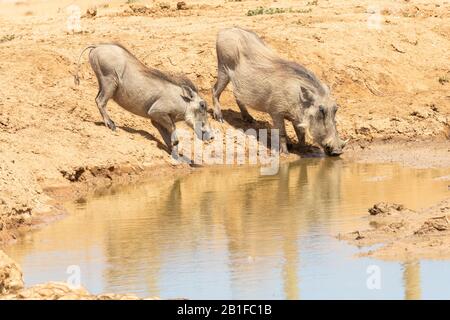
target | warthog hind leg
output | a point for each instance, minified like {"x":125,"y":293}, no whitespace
{"x":106,"y":92}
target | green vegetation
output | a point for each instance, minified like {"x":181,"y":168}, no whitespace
{"x":7,"y":38}
{"x":261,"y":11}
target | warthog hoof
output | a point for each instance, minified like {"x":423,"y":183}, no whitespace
{"x":218,"y":116}
{"x":248,"y":118}
{"x":110,"y":124}
{"x":284,"y":149}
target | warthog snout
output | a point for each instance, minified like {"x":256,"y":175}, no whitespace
{"x":333,"y":152}
{"x":336,"y":149}
{"x":207,"y":135}
{"x":203,"y":131}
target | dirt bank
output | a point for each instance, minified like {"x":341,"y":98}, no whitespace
{"x":12,"y":287}
{"x":391,"y":80}
{"x":406,"y":234}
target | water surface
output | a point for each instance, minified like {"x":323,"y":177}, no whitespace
{"x":230,"y":233}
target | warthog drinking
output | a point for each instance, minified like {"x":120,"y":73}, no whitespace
{"x":283,"y":89}
{"x":146,"y":92}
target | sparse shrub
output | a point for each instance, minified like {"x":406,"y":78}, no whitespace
{"x":164,"y":5}
{"x":261,"y":11}
{"x":255,"y":12}
{"x":302,"y":10}
{"x":8,"y":37}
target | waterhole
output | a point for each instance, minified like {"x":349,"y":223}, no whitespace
{"x":231,"y":233}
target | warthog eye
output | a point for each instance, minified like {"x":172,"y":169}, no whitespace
{"x":322,"y":110}
{"x":202,"y":105}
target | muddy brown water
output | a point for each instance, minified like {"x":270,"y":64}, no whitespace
{"x":233,"y":233}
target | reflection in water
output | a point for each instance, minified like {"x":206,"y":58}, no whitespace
{"x":411,"y":278}
{"x":232,"y":233}
{"x":290,"y":266}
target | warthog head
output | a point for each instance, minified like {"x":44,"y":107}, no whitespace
{"x":196,"y":115}
{"x":319,"y":112}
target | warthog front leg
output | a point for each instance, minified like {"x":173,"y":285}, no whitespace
{"x":244,"y":112}
{"x":278,"y":123}
{"x":166,"y":128}
{"x":106,"y":92}
{"x":222,"y":81}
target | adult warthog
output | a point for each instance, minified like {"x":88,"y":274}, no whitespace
{"x":283,"y":89}
{"x":146,"y":92}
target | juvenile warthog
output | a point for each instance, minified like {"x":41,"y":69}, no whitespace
{"x":146,"y":92}
{"x":284,"y":89}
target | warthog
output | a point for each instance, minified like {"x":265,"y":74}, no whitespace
{"x":283,"y":89}
{"x":146,"y":92}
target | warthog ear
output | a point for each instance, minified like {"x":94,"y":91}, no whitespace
{"x":307,"y":97}
{"x":187,"y":93}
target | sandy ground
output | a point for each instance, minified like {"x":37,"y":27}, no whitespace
{"x":417,"y":154}
{"x":389,"y":73}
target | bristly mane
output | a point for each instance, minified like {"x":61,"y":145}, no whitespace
{"x":302,"y":73}
{"x":291,"y":67}
{"x":174,"y":78}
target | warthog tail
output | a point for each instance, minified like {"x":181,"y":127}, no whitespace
{"x":76,"y":78}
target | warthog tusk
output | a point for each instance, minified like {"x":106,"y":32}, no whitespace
{"x":308,"y":134}
{"x":345,"y":142}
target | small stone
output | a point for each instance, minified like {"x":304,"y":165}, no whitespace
{"x":10,"y":275}
{"x":384,"y":208}
{"x":181,"y":5}
{"x":91,"y":12}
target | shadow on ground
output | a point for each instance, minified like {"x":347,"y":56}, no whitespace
{"x":234,"y":118}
